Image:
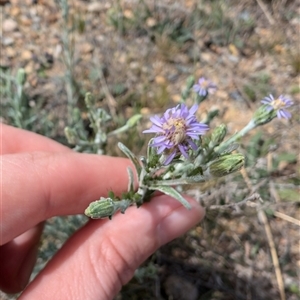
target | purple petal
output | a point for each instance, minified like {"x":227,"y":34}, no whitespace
{"x":192,"y":144}
{"x":183,"y":151}
{"x":170,"y":158}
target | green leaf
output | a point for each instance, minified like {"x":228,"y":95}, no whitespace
{"x":132,"y":157}
{"x":180,"y":181}
{"x":131,"y":180}
{"x":173,"y":193}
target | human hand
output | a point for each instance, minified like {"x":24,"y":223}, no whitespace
{"x":42,"y":179}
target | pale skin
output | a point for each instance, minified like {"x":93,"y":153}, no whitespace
{"x":41,"y":178}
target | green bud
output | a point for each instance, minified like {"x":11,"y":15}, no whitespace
{"x":89,"y":100}
{"x":218,"y":134}
{"x":21,"y":76}
{"x":133,"y":120}
{"x":99,"y":209}
{"x":226,"y":164}
{"x":106,"y":207}
{"x":189,"y":83}
{"x":263,"y":116}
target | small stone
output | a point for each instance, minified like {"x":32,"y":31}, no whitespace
{"x":176,"y":98}
{"x":160,"y":80}
{"x":9,"y":25}
{"x":134,"y":65}
{"x":86,"y":48}
{"x":33,"y":81}
{"x":7,"y":41}
{"x":207,"y":57}
{"x":221,"y":94}
{"x":25,"y":21}
{"x":95,"y":7}
{"x":26,"y":55}
{"x":151,"y":22}
{"x":10,"y":52}
{"x":128,"y":14}
{"x":29,"y":68}
{"x":15,"y":11}
{"x":145,"y":111}
{"x":233,"y":50}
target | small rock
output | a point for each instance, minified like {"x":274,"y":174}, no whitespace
{"x":10,"y":52}
{"x":176,"y":98}
{"x":7,"y":41}
{"x":233,"y":50}
{"x":128,"y":14}
{"x":151,"y":22}
{"x":9,"y":25}
{"x":25,"y":21}
{"x":95,"y":7}
{"x":207,"y":57}
{"x":29,"y":68}
{"x":86,"y":48}
{"x":33,"y":81}
{"x":221,"y":94}
{"x":26,"y":55}
{"x":134,"y":65}
{"x":160,"y":80}
{"x":15,"y":11}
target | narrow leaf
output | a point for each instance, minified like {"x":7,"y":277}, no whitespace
{"x":131,"y":180}
{"x":180,"y":181}
{"x":131,"y":156}
{"x":173,"y":193}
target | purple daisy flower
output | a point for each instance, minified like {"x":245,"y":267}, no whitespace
{"x":175,"y":131}
{"x":279,"y":105}
{"x":204,"y":87}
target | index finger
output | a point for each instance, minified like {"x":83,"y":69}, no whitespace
{"x":16,"y":140}
{"x":39,"y":185}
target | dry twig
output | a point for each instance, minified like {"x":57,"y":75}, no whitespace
{"x":263,"y":218}
{"x":266,"y":12}
{"x":286,"y":218}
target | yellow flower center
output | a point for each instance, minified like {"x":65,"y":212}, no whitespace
{"x":277,"y":103}
{"x":177,"y":135}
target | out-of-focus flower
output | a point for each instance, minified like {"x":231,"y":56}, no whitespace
{"x":278,"y":105}
{"x":204,"y":87}
{"x":176,"y":130}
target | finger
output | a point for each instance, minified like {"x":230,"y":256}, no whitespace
{"x":38,"y":185}
{"x":18,"y":258}
{"x":102,"y":256}
{"x":15,"y":140}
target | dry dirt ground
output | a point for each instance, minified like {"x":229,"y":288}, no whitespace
{"x":139,"y":54}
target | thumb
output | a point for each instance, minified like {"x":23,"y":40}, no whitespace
{"x":103,"y":255}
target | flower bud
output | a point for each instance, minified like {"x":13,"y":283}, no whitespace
{"x":226,"y":164}
{"x":218,"y":134}
{"x":189,"y":83}
{"x":89,"y":100}
{"x":101,"y":208}
{"x":263,"y":115}
{"x":106,"y":207}
{"x":133,"y":120}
